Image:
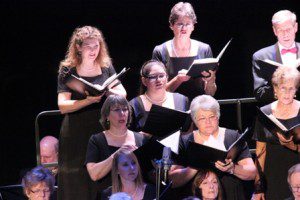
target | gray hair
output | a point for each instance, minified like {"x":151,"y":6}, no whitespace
{"x":182,"y":9}
{"x":111,"y":101}
{"x":204,"y":102}
{"x":292,"y":170}
{"x":282,"y":16}
{"x":284,"y":74}
{"x":38,"y":175}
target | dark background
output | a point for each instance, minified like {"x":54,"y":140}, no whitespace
{"x":34,"y":37}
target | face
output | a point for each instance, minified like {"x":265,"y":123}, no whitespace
{"x":207,"y":121}
{"x":127,"y":168}
{"x":89,"y":49}
{"x":156,"y":80}
{"x":183,"y":27}
{"x":286,"y":33}
{"x":295,"y":185}
{"x":285,"y":92}
{"x":118,"y":116}
{"x":209,"y":187}
{"x":48,"y":154}
{"x":39,"y":192}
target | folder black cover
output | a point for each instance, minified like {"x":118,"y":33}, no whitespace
{"x":201,"y":156}
{"x":163,"y":121}
{"x":82,"y":86}
{"x":275,"y":126}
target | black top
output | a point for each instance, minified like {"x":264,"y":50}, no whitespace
{"x":190,"y":88}
{"x":99,"y":150}
{"x":232,"y":186}
{"x":77,"y":127}
{"x":278,"y":159}
{"x":139,"y":114}
{"x":149,"y":193}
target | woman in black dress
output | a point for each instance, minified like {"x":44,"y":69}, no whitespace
{"x":102,"y":147}
{"x":127,"y":177}
{"x":275,"y":155}
{"x":153,"y":91}
{"x":205,"y":112}
{"x":87,"y":57}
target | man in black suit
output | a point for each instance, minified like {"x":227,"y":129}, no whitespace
{"x":285,"y":51}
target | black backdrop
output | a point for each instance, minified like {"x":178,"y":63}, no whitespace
{"x":34,"y":37}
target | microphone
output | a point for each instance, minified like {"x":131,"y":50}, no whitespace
{"x":166,"y":162}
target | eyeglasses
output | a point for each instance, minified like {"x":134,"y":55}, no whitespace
{"x":153,"y":78}
{"x":119,"y":110}
{"x":44,"y":191}
{"x":210,"y":118}
{"x":181,"y":25}
{"x":289,"y":90}
{"x":282,"y":31}
{"x":295,"y":188}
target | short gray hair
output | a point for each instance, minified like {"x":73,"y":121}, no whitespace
{"x":282,"y":16}
{"x":294,"y":169}
{"x":284,"y":74}
{"x":204,"y":102}
{"x":111,"y":101}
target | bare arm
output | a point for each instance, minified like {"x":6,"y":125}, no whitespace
{"x":210,"y":86}
{"x":99,"y":170}
{"x":180,"y":175}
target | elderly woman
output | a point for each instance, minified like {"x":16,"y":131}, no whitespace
{"x":102,"y":147}
{"x":153,"y":91}
{"x":87,"y":57}
{"x":38,"y":184}
{"x":127,"y":177}
{"x":182,"y":20}
{"x":273,"y":156}
{"x":205,"y":112}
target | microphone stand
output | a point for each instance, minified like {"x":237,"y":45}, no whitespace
{"x":158,"y":167}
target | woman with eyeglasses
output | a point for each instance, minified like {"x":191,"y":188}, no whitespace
{"x":275,"y":155}
{"x":102,"y":147}
{"x":38,"y":184}
{"x":205,"y":112}
{"x":153,"y":91}
{"x":182,"y":21}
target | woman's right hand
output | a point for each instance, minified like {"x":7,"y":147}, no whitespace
{"x":259,"y":196}
{"x":181,"y":76}
{"x":128,"y":147}
{"x":93,"y":99}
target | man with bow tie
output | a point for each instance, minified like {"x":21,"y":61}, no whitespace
{"x":285,"y":51}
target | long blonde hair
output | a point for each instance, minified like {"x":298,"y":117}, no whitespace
{"x":73,"y":56}
{"x":116,"y":179}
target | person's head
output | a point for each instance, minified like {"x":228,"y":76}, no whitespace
{"x":87,"y":43}
{"x":125,"y":167}
{"x":205,"y":112}
{"x":38,"y":184}
{"x":206,"y":185}
{"x":120,"y":196}
{"x":116,"y":112}
{"x":294,"y":180}
{"x":49,"y":149}
{"x":285,"y":27}
{"x":285,"y":82}
{"x":154,"y":76}
{"x":182,"y":19}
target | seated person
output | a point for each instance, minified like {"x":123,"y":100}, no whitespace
{"x":49,"y":152}
{"x":294,"y":181}
{"x":127,"y":177}
{"x":38,"y":184}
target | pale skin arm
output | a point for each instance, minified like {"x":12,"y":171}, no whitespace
{"x":261,"y":157}
{"x":210,"y":86}
{"x":101,"y":169}
{"x":181,"y":77}
{"x":181,"y":175}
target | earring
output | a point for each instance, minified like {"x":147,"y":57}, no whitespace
{"x":275,"y":95}
{"x":295,"y":95}
{"x":107,"y":123}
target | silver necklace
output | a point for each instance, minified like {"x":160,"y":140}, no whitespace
{"x":174,"y":50}
{"x":155,"y":102}
{"x":122,"y":135}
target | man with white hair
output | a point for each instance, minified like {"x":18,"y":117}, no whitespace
{"x":294,"y":181}
{"x":285,"y":51}
{"x":49,"y":151}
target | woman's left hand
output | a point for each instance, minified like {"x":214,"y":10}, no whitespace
{"x":209,"y":76}
{"x":228,"y":166}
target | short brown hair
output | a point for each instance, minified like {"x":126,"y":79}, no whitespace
{"x":182,"y":9}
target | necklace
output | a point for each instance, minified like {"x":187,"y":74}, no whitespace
{"x":122,"y":135}
{"x":174,"y":50}
{"x":155,"y":102}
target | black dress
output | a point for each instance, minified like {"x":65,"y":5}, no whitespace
{"x":278,"y":160}
{"x":232,"y":186}
{"x":139,"y":114}
{"x":99,"y":150}
{"x":77,"y":127}
{"x":149,"y":193}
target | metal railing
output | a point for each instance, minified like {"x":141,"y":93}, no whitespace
{"x":238,"y":103}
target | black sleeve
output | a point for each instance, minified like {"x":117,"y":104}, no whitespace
{"x":61,"y":86}
{"x":94,"y":151}
{"x":157,"y":53}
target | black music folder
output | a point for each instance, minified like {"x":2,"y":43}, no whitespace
{"x":82,"y":86}
{"x":275,"y":126}
{"x":268,"y":67}
{"x":201,"y":156}
{"x":205,"y":64}
{"x":163,"y":121}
